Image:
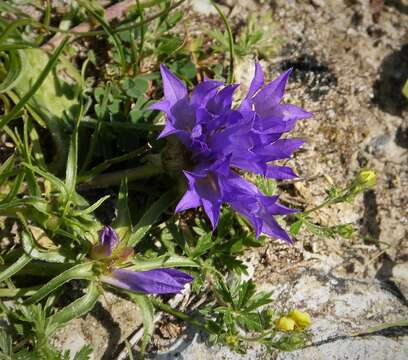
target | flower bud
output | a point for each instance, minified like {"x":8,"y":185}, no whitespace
{"x":302,"y":319}
{"x":286,"y":324}
{"x":232,"y":341}
{"x":367,"y":178}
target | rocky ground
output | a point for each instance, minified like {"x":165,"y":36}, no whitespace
{"x":350,"y":60}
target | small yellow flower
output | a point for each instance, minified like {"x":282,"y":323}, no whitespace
{"x":232,"y":340}
{"x":302,"y":319}
{"x":286,"y":324}
{"x":367,"y":178}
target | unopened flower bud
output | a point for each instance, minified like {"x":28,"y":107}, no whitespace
{"x":232,"y":341}
{"x":301,"y":318}
{"x":286,"y":324}
{"x":367,"y":178}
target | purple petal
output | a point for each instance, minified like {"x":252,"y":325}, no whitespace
{"x":257,"y":81}
{"x":222,"y":101}
{"x":163,"y":105}
{"x":190,"y":200}
{"x":280,"y":172}
{"x":289,"y":112}
{"x":271,"y":227}
{"x":158,"y":281}
{"x":271,"y":94}
{"x":108,"y":239}
{"x":204,"y":91}
{"x":280,"y":149}
{"x":174,"y":89}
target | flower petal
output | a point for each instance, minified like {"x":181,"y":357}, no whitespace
{"x":257,"y":81}
{"x":280,"y":172}
{"x":108,"y":239}
{"x":271,"y":94}
{"x":174,"y":89}
{"x":158,"y":281}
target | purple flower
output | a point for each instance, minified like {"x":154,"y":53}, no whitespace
{"x":222,"y":140}
{"x":157,"y":281}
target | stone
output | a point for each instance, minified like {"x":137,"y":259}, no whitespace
{"x":343,"y":311}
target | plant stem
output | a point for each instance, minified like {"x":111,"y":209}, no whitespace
{"x":230,"y":43}
{"x":178,"y":314}
{"x":114,"y":178}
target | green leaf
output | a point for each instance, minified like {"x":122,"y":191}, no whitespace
{"x":165,"y":261}
{"x":31,"y":249}
{"x":150,"y":217}
{"x":246,"y":291}
{"x":123,"y":222}
{"x":147,"y":310}
{"x":295,"y":227}
{"x":6,"y":169}
{"x":83,"y":354}
{"x":15,"y":267}
{"x":91,"y":208}
{"x":204,"y":243}
{"x":135,"y":87}
{"x":4,"y":120}
{"x":116,"y":40}
{"x":14,"y":67}
{"x":83,"y":271}
{"x":79,"y":307}
{"x":72,"y":162}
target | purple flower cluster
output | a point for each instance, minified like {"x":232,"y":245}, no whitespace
{"x":157,"y":281}
{"x":222,"y":140}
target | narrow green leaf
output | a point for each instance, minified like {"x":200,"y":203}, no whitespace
{"x":123,"y":222}
{"x":5,"y":119}
{"x":150,"y":217}
{"x":76,"y":309}
{"x":83,"y":271}
{"x":147,"y":310}
{"x":204,"y":244}
{"x":55,"y":181}
{"x":15,"y":267}
{"x":72,"y":162}
{"x":109,"y":31}
{"x":13,"y":64}
{"x":91,"y":208}
{"x":295,"y":227}
{"x":165,"y":261}
{"x":30,"y":248}
{"x":6,"y":168}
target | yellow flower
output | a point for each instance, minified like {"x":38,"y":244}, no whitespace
{"x":232,"y":340}
{"x":302,"y":319}
{"x":286,"y":324}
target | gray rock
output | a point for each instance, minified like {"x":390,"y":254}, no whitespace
{"x":341,"y":307}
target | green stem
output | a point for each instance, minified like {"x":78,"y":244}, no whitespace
{"x":178,"y":314}
{"x":114,"y":178}
{"x":142,"y":35}
{"x":230,"y":43}
{"x":107,"y":163}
